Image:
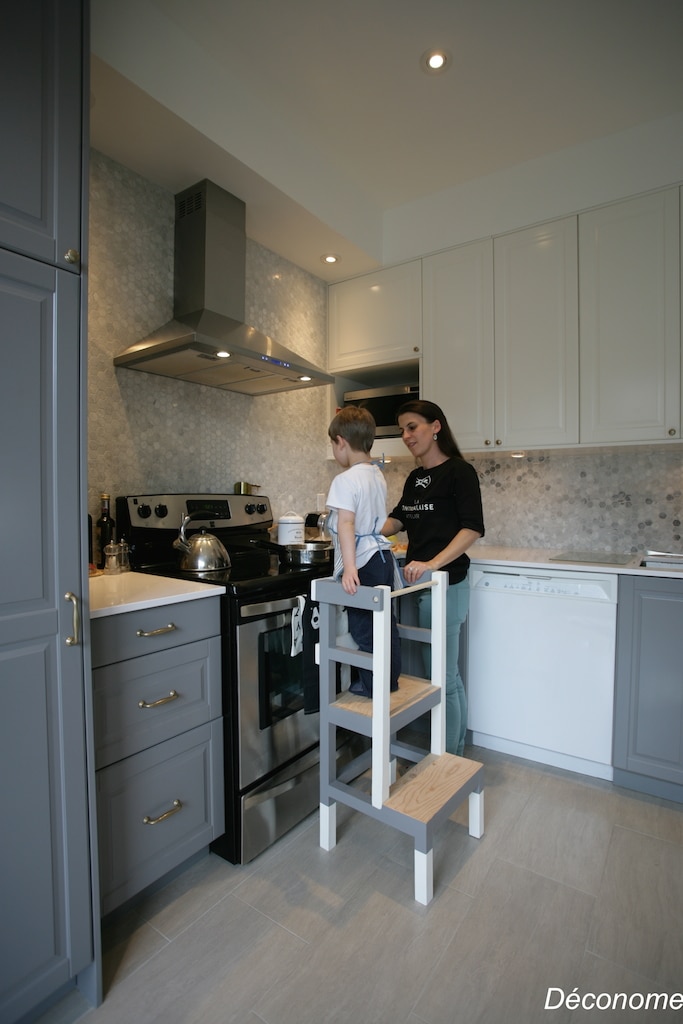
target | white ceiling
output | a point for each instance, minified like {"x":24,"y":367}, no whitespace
{"x":318,"y":115}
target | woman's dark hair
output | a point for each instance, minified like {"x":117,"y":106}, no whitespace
{"x":430,"y":412}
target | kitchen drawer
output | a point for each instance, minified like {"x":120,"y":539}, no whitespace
{"x":118,"y":637}
{"x":191,"y":673}
{"x":135,"y":853}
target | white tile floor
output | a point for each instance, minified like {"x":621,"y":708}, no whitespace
{"x":575,"y":885}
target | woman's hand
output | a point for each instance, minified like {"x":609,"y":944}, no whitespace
{"x":413,"y":570}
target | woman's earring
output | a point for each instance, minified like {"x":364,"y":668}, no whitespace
{"x":435,"y":436}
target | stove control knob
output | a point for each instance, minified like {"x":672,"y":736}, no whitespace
{"x":144,"y":511}
{"x":160,"y":511}
{"x":261,"y":508}
{"x":250,"y":508}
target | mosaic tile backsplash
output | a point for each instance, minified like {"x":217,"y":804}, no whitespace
{"x":150,"y":434}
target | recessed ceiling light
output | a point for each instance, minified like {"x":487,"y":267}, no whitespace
{"x":330,"y":257}
{"x":223,"y":355}
{"x":435,"y":61}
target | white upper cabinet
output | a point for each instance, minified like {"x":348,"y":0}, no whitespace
{"x":630,"y":320}
{"x":515,"y":384}
{"x":457,"y":366}
{"x":537,"y":336}
{"x":376,"y":319}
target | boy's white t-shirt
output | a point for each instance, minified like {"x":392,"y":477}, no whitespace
{"x":360,"y":489}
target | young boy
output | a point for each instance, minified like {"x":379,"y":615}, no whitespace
{"x":357,"y":501}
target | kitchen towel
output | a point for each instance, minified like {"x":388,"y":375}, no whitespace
{"x":298,"y":627}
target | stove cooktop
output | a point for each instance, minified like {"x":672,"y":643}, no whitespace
{"x":151,"y":522}
{"x":243,"y":578}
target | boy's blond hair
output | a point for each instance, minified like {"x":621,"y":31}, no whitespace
{"x":356,"y":426}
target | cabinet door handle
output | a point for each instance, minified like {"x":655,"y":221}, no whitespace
{"x":157,"y":703}
{"x":177,"y":806}
{"x":72,"y":256}
{"x":71,"y":641}
{"x":157,"y":632}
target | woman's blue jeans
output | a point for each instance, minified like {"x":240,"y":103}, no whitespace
{"x":457,"y":606}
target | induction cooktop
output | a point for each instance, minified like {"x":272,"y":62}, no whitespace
{"x":596,"y":557}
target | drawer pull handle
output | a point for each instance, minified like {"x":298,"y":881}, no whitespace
{"x":177,"y":806}
{"x":157,"y":632}
{"x":173,"y":695}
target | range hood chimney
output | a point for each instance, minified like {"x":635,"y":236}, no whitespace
{"x":208,"y":342}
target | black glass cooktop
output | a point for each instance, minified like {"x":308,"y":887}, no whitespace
{"x":250,"y":573}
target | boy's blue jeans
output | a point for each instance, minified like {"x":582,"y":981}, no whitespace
{"x":378,"y":571}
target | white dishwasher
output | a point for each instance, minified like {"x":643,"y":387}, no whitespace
{"x":540,"y":665}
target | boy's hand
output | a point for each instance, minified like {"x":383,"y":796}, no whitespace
{"x":350,"y":581}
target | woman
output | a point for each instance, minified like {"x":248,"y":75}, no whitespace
{"x":440,"y":510}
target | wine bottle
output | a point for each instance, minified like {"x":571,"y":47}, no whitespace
{"x":105,"y":530}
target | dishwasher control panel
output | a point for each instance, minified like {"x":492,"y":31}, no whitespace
{"x":584,"y":586}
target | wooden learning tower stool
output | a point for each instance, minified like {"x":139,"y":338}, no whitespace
{"x":438,"y":782}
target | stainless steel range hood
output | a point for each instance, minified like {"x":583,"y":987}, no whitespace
{"x":209,"y":276}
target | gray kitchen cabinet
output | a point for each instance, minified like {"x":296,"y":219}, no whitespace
{"x":46,"y":879}
{"x":648,"y":724}
{"x":41,"y":62}
{"x":159,"y":741}
{"x":630,"y":281}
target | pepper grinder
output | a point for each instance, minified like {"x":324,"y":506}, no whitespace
{"x":111,"y":559}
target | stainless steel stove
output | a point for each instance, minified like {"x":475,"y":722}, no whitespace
{"x":270,"y":680}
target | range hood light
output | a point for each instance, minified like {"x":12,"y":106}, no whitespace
{"x":304,"y":377}
{"x":223,"y":355}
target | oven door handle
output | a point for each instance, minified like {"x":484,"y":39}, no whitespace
{"x":287,"y":604}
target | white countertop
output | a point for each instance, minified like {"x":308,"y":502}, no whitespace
{"x":542,"y":558}
{"x":130,"y":591}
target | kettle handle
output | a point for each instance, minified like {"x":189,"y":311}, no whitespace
{"x":187,"y":517}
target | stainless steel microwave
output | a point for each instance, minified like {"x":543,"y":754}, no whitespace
{"x":383,"y":404}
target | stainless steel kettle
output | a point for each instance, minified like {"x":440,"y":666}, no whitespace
{"x":202,"y":552}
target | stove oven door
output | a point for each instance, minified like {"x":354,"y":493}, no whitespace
{"x":274,"y":686}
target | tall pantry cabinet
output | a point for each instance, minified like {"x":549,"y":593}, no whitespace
{"x":46,"y":886}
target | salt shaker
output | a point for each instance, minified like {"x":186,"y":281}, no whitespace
{"x":124,"y":560}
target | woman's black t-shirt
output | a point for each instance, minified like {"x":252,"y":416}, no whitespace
{"x":435,"y":505}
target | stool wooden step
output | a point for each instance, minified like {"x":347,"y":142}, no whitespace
{"x":433,"y":783}
{"x":412,"y":692}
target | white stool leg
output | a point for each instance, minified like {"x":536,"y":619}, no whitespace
{"x":424,"y":877}
{"x":328,"y":826}
{"x":476,"y":813}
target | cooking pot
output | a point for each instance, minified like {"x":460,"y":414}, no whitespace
{"x":202,"y":552}
{"x":312,"y":552}
{"x":242,"y":487}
